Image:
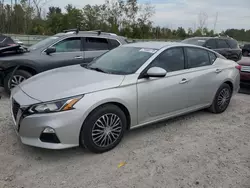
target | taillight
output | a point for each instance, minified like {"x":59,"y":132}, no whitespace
{"x":238,"y":67}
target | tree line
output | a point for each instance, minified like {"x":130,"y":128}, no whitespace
{"x":124,"y":17}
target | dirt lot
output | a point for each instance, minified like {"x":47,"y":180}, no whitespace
{"x":197,"y":150}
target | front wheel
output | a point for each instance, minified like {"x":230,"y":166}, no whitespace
{"x":221,"y":99}
{"x":103,"y":129}
{"x":12,"y":81}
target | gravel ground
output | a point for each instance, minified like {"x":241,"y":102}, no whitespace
{"x":200,"y":150}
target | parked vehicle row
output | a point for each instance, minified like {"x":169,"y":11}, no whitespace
{"x":130,"y":86}
{"x":63,"y":49}
{"x":226,"y":46}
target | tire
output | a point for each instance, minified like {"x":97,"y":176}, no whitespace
{"x":91,"y":142}
{"x":227,"y":92}
{"x":21,"y":73}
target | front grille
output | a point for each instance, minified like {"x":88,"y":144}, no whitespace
{"x":15,"y":108}
{"x":245,"y":68}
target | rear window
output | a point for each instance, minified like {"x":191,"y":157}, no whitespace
{"x":195,"y":41}
{"x":232,"y":43}
{"x":222,"y":43}
{"x":246,"y":46}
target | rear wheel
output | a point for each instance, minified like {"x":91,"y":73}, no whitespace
{"x":18,"y":77}
{"x":103,"y":129}
{"x":222,"y":99}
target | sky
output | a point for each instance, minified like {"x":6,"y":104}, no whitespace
{"x":185,"y":13}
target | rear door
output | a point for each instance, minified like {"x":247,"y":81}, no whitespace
{"x":223,"y":48}
{"x":94,"y":47}
{"x":69,"y":51}
{"x":201,"y":76}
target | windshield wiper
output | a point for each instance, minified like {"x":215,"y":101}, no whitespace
{"x":96,"y":69}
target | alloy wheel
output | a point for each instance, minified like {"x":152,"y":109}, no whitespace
{"x":223,"y":98}
{"x":16,"y":80}
{"x":106,"y":130}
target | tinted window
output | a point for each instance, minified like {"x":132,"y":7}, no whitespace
{"x":93,"y":44}
{"x":222,"y":43}
{"x":212,"y":57}
{"x":114,"y":43}
{"x":211,"y":44}
{"x":69,"y":45}
{"x":197,"y":57}
{"x":122,"y":60}
{"x":232,"y":43}
{"x":170,"y":60}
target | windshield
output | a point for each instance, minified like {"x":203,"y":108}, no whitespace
{"x":122,"y":60}
{"x":43,"y":43}
{"x":198,"y":42}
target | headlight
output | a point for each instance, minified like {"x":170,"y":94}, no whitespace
{"x":55,"y":106}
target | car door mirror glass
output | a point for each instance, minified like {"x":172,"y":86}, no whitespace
{"x":156,"y":72}
{"x":50,"y":50}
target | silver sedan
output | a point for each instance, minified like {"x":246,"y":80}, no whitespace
{"x":130,"y":86}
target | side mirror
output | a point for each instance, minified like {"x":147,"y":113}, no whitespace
{"x":156,"y":72}
{"x":209,"y":47}
{"x":50,"y":50}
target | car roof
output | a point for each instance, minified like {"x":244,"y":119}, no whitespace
{"x":158,"y":45}
{"x":206,"y":38}
{"x":89,"y":34}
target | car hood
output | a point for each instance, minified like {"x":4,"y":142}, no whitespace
{"x":14,"y":56}
{"x":68,"y":81}
{"x":244,"y":61}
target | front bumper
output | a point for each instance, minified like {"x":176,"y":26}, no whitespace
{"x":66,"y":126}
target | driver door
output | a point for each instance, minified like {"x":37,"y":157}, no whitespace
{"x":159,"y":97}
{"x":69,"y":51}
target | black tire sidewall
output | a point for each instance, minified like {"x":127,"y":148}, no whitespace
{"x":216,"y":107}
{"x":23,"y":73}
{"x":86,"y":131}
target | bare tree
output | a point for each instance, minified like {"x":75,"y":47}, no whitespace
{"x":215,"y":21}
{"x":39,"y":4}
{"x":202,"y":20}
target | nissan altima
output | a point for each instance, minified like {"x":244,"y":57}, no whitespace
{"x":130,"y":86}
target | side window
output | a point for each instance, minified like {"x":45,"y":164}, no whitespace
{"x":232,"y":43}
{"x":93,"y":44}
{"x":170,"y":60}
{"x":114,"y":43}
{"x":69,"y":45}
{"x":212,"y":57}
{"x":197,"y":57}
{"x":222,"y":44}
{"x":211,"y":44}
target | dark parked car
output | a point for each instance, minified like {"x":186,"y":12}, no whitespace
{"x":226,"y":46}
{"x":245,"y":71}
{"x":246,"y":50}
{"x":63,"y":49}
{"x":6,"y":41}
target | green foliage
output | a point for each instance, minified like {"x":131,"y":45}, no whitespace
{"x":124,"y":17}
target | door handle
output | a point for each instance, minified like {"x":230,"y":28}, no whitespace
{"x":183,"y":81}
{"x":218,"y":70}
{"x":78,"y":57}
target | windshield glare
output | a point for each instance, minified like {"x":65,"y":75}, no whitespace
{"x":122,"y":60}
{"x":199,"y":42}
{"x":43,"y":43}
